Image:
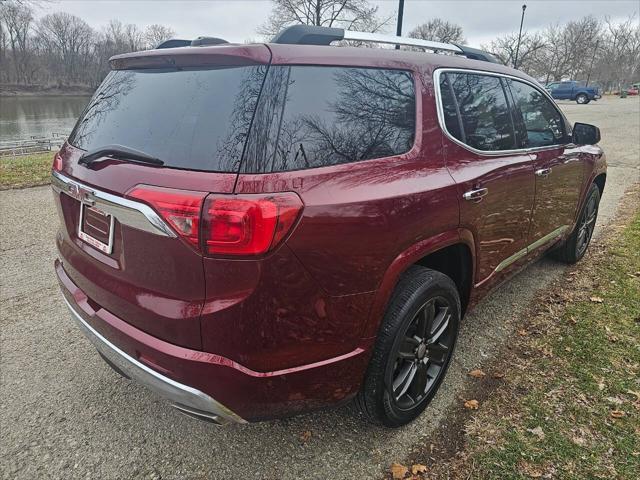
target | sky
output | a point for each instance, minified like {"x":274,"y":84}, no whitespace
{"x":238,"y":20}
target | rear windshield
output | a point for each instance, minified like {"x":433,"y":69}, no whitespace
{"x":194,"y":119}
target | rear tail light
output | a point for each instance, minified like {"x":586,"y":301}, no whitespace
{"x":248,"y":224}
{"x":179,"y":208}
{"x":236,"y":225}
{"x":57,"y":162}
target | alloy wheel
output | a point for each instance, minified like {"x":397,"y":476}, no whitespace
{"x":422,"y":354}
{"x":587,"y":224}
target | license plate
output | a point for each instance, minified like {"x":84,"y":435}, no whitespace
{"x":96,"y":228}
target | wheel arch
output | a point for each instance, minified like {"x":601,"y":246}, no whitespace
{"x":600,"y":180}
{"x":451,"y":253}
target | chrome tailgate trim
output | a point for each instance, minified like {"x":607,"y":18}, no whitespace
{"x":128,"y":212}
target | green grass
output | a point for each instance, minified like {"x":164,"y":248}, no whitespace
{"x":581,"y":384}
{"x":25,"y":170}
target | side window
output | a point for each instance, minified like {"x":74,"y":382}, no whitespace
{"x":450,"y":110}
{"x":315,"y":116}
{"x":484,"y":111}
{"x":543,"y":124}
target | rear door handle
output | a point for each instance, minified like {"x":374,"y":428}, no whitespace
{"x":475,"y":195}
{"x":543,"y":172}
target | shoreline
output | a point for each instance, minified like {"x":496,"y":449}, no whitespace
{"x":9,"y":91}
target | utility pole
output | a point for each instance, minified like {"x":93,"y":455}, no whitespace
{"x":591,"y":64}
{"x":515,"y":62}
{"x":399,"y":26}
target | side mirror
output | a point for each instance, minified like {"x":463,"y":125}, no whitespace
{"x":585,"y":134}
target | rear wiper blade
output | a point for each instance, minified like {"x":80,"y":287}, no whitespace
{"x":119,"y":152}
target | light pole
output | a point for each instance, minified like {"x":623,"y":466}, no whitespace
{"x":515,"y":62}
{"x":399,"y":25}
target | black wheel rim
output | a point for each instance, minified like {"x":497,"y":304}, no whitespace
{"x":587,"y":224}
{"x":422,"y":354}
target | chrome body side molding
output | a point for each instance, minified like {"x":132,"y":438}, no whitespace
{"x":535,"y":245}
{"x":128,"y":212}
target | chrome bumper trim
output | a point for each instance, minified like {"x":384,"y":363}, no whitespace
{"x":129,"y":212}
{"x":182,"y":397}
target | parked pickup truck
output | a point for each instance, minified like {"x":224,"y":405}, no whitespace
{"x":573,"y":91}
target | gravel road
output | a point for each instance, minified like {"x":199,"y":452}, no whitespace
{"x":65,"y":414}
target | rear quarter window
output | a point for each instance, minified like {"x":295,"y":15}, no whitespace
{"x":195,"y":119}
{"x":316,"y":116}
{"x":483,"y":111}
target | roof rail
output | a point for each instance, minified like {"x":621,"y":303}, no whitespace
{"x":315,"y":35}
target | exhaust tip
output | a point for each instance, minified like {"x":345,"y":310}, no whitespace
{"x":198,"y":414}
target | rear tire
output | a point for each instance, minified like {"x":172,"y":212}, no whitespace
{"x":574,"y":247}
{"x":582,"y":99}
{"x":413,"y":349}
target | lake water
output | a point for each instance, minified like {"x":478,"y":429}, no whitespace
{"x":24,"y":117}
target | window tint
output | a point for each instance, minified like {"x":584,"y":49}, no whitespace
{"x":541,"y":123}
{"x":451,"y":119}
{"x":190,"y":118}
{"x":486,"y":119}
{"x":317,"y":116}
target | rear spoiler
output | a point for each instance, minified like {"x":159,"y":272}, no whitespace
{"x":197,"y":42}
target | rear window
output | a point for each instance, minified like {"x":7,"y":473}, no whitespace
{"x":190,"y":118}
{"x":315,"y":116}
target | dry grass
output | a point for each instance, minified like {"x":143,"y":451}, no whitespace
{"x":569,"y":405}
{"x":25,"y":170}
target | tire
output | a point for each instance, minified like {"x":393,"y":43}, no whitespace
{"x":574,"y":247}
{"x":582,"y":99}
{"x":418,"y":334}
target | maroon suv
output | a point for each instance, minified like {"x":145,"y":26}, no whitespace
{"x":257,"y":230}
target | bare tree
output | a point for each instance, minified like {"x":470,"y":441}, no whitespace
{"x":155,"y":34}
{"x":350,"y":14}
{"x":68,"y":41}
{"x":504,"y":49}
{"x":619,"y":59}
{"x":17,"y":20}
{"x":439,"y":30}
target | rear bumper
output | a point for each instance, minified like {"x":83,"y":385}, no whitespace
{"x":210,"y":386}
{"x":186,"y":399}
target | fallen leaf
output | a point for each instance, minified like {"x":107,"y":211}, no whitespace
{"x":498,"y":375}
{"x":579,"y":441}
{"x":529,"y":470}
{"x":538,"y":432}
{"x":398,"y":471}
{"x":477,"y":373}
{"x":596,"y":299}
{"x":522,"y":332}
{"x":636,"y":394}
{"x":418,"y":468}
{"x":617,"y":413}
{"x":471,"y":404}
{"x":306,"y":435}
